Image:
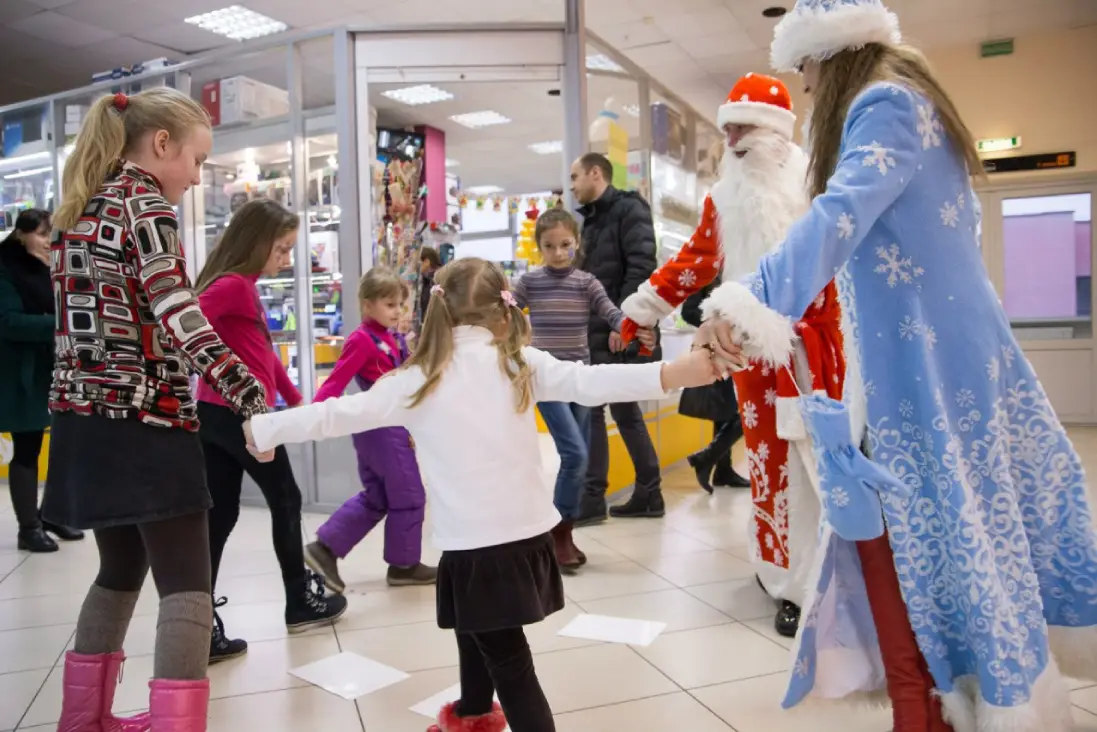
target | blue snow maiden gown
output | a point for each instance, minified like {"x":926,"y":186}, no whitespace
{"x":995,"y":549}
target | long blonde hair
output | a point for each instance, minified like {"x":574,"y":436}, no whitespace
{"x":247,"y":242}
{"x":109,"y":131}
{"x":843,"y":76}
{"x":470,"y":292}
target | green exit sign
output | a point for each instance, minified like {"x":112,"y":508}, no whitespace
{"x":997,"y":48}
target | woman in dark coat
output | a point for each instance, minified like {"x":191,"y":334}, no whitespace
{"x":26,"y":369}
{"x":717,"y":403}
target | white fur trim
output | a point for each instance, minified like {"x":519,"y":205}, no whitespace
{"x":1048,"y":709}
{"x":790,"y":423}
{"x":765,"y":334}
{"x":760,"y":114}
{"x":644,"y":307}
{"x":853,"y":391}
{"x":818,"y":33}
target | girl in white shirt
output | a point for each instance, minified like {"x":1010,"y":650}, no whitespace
{"x":466,"y":397}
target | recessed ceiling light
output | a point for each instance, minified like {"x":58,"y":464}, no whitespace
{"x":451,"y":163}
{"x":238,"y":23}
{"x":601,"y":62}
{"x":774,"y":12}
{"x":483,"y":190}
{"x":547,"y":148}
{"x":474,"y":120}
{"x":632,"y":110}
{"x":416,"y":95}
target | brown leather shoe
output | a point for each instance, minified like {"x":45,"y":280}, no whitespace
{"x":565,"y":550}
{"x":579,"y":555}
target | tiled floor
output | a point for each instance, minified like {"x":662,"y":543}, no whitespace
{"x":717,"y":667}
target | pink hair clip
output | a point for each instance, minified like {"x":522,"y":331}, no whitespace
{"x":437,"y":290}
{"x":508,"y":298}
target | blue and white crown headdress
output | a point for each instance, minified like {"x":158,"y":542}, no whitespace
{"x":818,"y":29}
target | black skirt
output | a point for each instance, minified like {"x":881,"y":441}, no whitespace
{"x":497,"y":587}
{"x":116,"y":472}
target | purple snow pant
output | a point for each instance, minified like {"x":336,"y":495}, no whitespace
{"x":392,"y":487}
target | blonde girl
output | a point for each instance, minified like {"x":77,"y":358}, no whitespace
{"x":466,"y":397}
{"x":125,"y":459}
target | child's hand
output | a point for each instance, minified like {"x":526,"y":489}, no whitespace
{"x":696,"y":368}
{"x":647,"y":338}
{"x":249,"y":439}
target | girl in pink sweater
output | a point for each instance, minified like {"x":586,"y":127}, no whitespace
{"x":256,"y":243}
{"x":392,"y":488}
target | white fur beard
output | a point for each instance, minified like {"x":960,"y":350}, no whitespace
{"x":757,"y":198}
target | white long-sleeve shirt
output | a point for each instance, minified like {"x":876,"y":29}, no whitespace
{"x":481,"y":459}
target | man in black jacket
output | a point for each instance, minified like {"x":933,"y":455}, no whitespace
{"x":619,"y":249}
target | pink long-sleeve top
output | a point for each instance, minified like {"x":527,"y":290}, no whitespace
{"x":232,"y":307}
{"x":361,"y":356}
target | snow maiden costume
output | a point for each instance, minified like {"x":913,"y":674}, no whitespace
{"x":994,"y":550}
{"x":761,"y":191}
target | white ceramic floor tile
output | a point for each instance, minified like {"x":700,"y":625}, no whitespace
{"x":596,"y":676}
{"x":349,"y":675}
{"x":33,"y":648}
{"x":416,"y":647}
{"x":658,"y":714}
{"x":17,"y":691}
{"x":695,"y":658}
{"x":677,"y":608}
{"x":686,"y":570}
{"x":612,"y":580}
{"x":614,"y":630}
{"x":307,"y":708}
{"x":740,"y":599}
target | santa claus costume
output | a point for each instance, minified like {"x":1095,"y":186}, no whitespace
{"x":761,"y":191}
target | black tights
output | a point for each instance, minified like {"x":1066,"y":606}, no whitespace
{"x":500,"y":662}
{"x":177,"y":550}
{"x":23,"y":477}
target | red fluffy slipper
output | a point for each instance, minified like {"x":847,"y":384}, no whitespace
{"x":448,"y":721}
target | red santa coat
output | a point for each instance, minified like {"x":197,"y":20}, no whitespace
{"x":767,"y":382}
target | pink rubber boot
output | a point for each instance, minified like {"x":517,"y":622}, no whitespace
{"x":179,"y":706}
{"x":89,"y":684}
{"x":448,"y":721}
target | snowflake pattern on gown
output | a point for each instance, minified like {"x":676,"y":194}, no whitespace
{"x":996,"y":543}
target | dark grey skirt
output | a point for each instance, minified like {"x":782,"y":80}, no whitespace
{"x":497,"y":587}
{"x":116,"y":472}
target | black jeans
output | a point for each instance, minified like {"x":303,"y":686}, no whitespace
{"x":174,"y":548}
{"x":500,"y":662}
{"x":227,"y":459}
{"x":725,"y":435}
{"x":634,"y":433}
{"x":23,"y":477}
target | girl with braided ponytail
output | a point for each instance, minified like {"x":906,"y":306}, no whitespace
{"x":466,"y":396}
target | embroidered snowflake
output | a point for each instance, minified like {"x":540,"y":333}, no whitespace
{"x":897,"y":267}
{"x":779,"y":558}
{"x":870,"y":388}
{"x":909,"y":328}
{"x":965,"y":398}
{"x":771,"y":397}
{"x":763,"y":451}
{"x":802,"y":668}
{"x":906,"y":409}
{"x":770,"y":541}
{"x":1008,"y":354}
{"x":930,"y":334}
{"x":820,"y":301}
{"x":994,"y":369}
{"x":961,"y":201}
{"x":699,"y":260}
{"x":877,"y":156}
{"x":687,"y":278}
{"x":929,"y":127}
{"x":839,"y":497}
{"x":846,"y":226}
{"x":750,"y":416}
{"x":950,"y":215}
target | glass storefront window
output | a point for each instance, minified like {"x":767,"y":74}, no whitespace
{"x":674,"y":194}
{"x":1048,"y":266}
{"x":26,"y":165}
{"x":613,"y":111}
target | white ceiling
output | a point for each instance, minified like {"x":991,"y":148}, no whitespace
{"x":697,"y":48}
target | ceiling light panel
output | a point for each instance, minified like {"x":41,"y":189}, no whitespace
{"x":601,"y":62}
{"x":416,"y":95}
{"x":476,"y":120}
{"x":547,"y":148}
{"x":238,"y":23}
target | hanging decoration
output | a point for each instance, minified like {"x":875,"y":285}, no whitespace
{"x":480,"y":201}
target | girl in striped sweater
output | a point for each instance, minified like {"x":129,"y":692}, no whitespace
{"x":560,"y":299}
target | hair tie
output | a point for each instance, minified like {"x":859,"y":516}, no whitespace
{"x":437,"y":290}
{"x":508,"y":298}
{"x":121,"y":101}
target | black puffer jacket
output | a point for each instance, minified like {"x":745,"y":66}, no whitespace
{"x":618,"y":249}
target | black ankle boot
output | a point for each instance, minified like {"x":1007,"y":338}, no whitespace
{"x":221,"y":647}
{"x":702,"y":466}
{"x":787,"y":621}
{"x":64,"y":533}
{"x":308,"y":604}
{"x":649,"y":506}
{"x":33,"y":539}
{"x":725,"y":477}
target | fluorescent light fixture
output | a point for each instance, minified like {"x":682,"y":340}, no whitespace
{"x":483,"y":190}
{"x":475,"y":120}
{"x":632,"y":110}
{"x":28,"y":173}
{"x":998,"y":144}
{"x":601,"y":62}
{"x":547,"y":148}
{"x":416,"y":95}
{"x":451,"y":163}
{"x":238,"y":23}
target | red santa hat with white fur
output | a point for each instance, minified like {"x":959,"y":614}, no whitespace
{"x":760,"y":100}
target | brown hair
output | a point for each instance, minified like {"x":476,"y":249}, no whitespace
{"x":430,"y":254}
{"x":843,"y":76}
{"x":469,"y":292}
{"x":246,"y":244}
{"x":600,"y":161}
{"x":552,"y":219}
{"x":109,"y":132}
{"x":379,"y":283}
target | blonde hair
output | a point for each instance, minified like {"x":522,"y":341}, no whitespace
{"x":843,"y":76}
{"x":247,"y":242}
{"x":470,"y":292}
{"x":108,"y":133}
{"x":379,"y":283}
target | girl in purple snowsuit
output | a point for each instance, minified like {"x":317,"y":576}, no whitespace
{"x":392,"y":488}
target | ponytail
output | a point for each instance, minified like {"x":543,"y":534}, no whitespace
{"x":99,"y":147}
{"x":511,"y":360}
{"x":434,"y":347}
